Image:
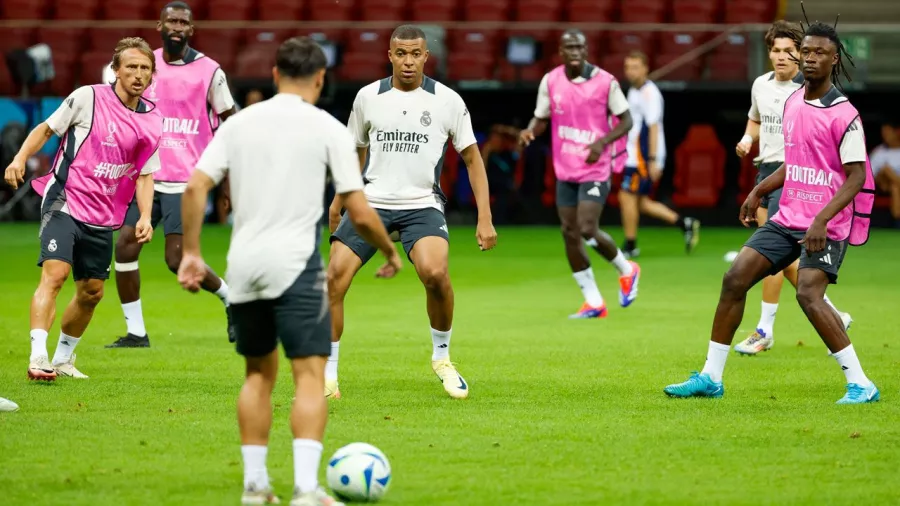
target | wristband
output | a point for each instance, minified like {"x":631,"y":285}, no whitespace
{"x":746,"y":139}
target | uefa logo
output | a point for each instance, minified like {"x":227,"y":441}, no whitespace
{"x":110,"y":140}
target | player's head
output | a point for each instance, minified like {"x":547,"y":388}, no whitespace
{"x":890,"y":133}
{"x":176,"y":25}
{"x":822,"y":53}
{"x":408,"y":54}
{"x":300,"y":66}
{"x":637,"y":67}
{"x":134,"y":64}
{"x":573,"y":48}
{"x":783,"y":42}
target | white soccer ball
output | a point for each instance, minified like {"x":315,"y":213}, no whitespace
{"x":359,"y":472}
{"x":730,"y":256}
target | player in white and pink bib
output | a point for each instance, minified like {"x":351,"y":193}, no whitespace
{"x":109,"y":151}
{"x":191,"y":92}
{"x":589,"y":119}
{"x":825,"y":205}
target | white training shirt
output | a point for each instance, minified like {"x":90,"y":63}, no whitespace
{"x":73,"y":120}
{"x":767,"y":99}
{"x":407,"y":134}
{"x":884,"y":157}
{"x":618,"y":104}
{"x":647,"y":105}
{"x":277,"y":154}
{"x":218,"y":97}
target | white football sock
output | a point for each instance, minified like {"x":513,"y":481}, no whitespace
{"x":767,"y":318}
{"x":65,"y":348}
{"x":849,"y":363}
{"x":440,"y":340}
{"x":134,"y":318}
{"x":38,"y":343}
{"x":715,"y":360}
{"x":307,"y":454}
{"x":622,"y":264}
{"x":588,"y":285}
{"x":331,"y":367}
{"x":255,"y":472}
{"x":222,"y":293}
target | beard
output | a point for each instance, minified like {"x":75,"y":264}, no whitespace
{"x":174,"y":47}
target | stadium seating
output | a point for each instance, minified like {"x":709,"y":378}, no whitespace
{"x":280,"y":10}
{"x":256,"y":60}
{"x":362,"y":67}
{"x":592,"y":11}
{"x":486,"y":10}
{"x":538,"y":10}
{"x":383,"y":10}
{"x":742,"y":11}
{"x":16,"y":38}
{"x":694,"y":11}
{"x":644,"y":11}
{"x":470,"y":66}
{"x":699,"y":168}
{"x":76,"y":9}
{"x":127,"y":9}
{"x":24,"y":9}
{"x":329,"y":10}
{"x":435,"y":10}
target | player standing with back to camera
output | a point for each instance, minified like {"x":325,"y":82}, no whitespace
{"x":768,"y":96}
{"x":826,"y":205}
{"x":277,"y":153}
{"x":402,"y":125}
{"x":109,"y":151}
{"x":191,"y":91}
{"x":590,"y":120}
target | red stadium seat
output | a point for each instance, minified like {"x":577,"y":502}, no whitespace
{"x":16,"y":38}
{"x":383,"y":10}
{"x":77,"y":9}
{"x":626,"y":42}
{"x":470,"y":66}
{"x":230,"y":10}
{"x":728,"y":67}
{"x":92,"y":64}
{"x":614,"y":63}
{"x":477,"y":41}
{"x":538,"y":10}
{"x":63,"y":81}
{"x":362,"y":67}
{"x":336,"y":35}
{"x":593,"y":11}
{"x":699,"y":168}
{"x":217,"y":42}
{"x":486,"y":10}
{"x":643,"y":11}
{"x":329,"y":10}
{"x":369,"y":41}
{"x":694,"y":11}
{"x":105,"y":39}
{"x":7,"y":86}
{"x":68,"y":40}
{"x":24,"y":9}
{"x":690,"y":70}
{"x":680,"y":42}
{"x":280,"y":10}
{"x":128,"y":9}
{"x":254,"y":35}
{"x":742,"y":11}
{"x":256,"y":60}
{"x":527,"y":73}
{"x":435,"y":10}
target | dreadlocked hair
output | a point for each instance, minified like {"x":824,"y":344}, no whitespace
{"x":818,"y":29}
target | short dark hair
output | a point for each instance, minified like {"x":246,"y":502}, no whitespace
{"x":639,"y":55}
{"x":782,"y":29}
{"x":178,"y":6}
{"x":300,"y":57}
{"x":408,"y":32}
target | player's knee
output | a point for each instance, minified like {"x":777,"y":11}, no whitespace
{"x":173,"y":260}
{"x":807,"y":296}
{"x":91,"y":294}
{"x":338,"y":280}
{"x":434,"y":277}
{"x":734,"y":284}
{"x":570,"y":232}
{"x":587,"y":228}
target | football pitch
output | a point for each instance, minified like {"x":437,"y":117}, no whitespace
{"x":561,"y":412}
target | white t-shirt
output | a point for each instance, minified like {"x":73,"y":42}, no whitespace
{"x":407,"y":134}
{"x":218,"y":97}
{"x":767,"y":99}
{"x":277,"y":154}
{"x":76,"y":115}
{"x":883,"y":156}
{"x":618,"y":104}
{"x":647,"y":105}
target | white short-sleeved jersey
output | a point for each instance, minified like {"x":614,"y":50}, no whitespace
{"x":767,"y":99}
{"x":407,"y":134}
{"x":646,"y":105}
{"x":277,"y":153}
{"x":884,"y":157}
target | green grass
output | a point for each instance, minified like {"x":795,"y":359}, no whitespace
{"x":561,"y":412}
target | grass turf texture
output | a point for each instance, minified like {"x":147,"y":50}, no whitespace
{"x":561,"y":412}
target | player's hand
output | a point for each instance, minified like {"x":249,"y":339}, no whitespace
{"x":526,"y":137}
{"x":486,"y":235}
{"x":748,"y":209}
{"x":595,"y":150}
{"x":391,"y":267}
{"x":143,"y":230}
{"x":816,"y":237}
{"x":191,"y":272}
{"x":15,"y":173}
{"x":655,"y":172}
{"x":334,"y":216}
{"x":743,"y":149}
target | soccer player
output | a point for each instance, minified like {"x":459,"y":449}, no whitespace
{"x":646,"y":160}
{"x":109,"y":151}
{"x":769,"y":93}
{"x":401,"y":125}
{"x":192,"y":94}
{"x":824,"y":207}
{"x":279,"y":151}
{"x":584,"y":102}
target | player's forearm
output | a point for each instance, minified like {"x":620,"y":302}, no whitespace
{"x":856,"y":178}
{"x":752,"y":131}
{"x":144,"y":195}
{"x":479,"y":181}
{"x":34,"y":142}
{"x":654,"y":142}
{"x":538,"y":126}
{"x":625,"y":124}
{"x":771,"y":183}
{"x":193,"y":203}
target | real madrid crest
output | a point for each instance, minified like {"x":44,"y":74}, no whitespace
{"x":425,"y":120}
